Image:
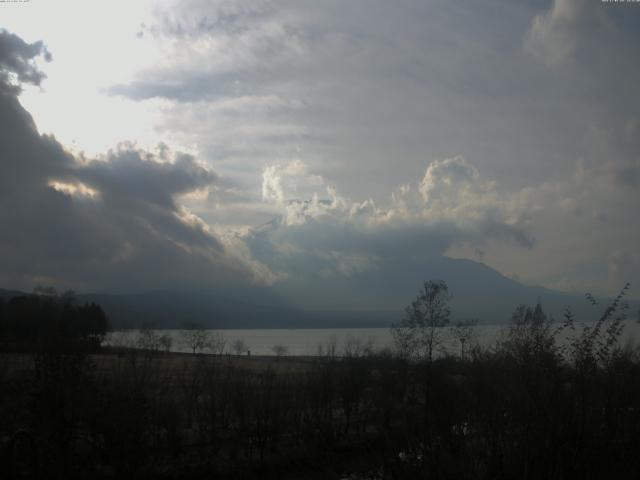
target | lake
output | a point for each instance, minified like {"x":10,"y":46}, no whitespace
{"x":310,"y":342}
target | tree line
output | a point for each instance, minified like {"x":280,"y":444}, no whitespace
{"x":46,"y":318}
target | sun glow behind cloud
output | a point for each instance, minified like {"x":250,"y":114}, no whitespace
{"x":74,"y":189}
{"x":96,"y":45}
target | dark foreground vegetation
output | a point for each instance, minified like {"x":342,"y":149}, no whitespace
{"x":529,"y":408}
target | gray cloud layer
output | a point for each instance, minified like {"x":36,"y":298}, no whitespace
{"x":540,"y":97}
{"x":376,"y":133}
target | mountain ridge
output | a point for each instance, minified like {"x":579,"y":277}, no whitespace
{"x":478,"y":292}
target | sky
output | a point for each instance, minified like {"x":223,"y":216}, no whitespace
{"x":163,"y":144}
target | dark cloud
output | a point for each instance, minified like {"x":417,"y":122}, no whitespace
{"x":17,"y":58}
{"x":112,"y":223}
{"x":133,"y":175}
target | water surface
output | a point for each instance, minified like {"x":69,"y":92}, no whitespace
{"x":311,"y":342}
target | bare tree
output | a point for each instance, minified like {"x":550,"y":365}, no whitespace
{"x":530,"y":334}
{"x":280,"y":350}
{"x":195,"y":337}
{"x":358,"y":346}
{"x":463,"y":332}
{"x":330,"y":350}
{"x":419,"y":333}
{"x":165,"y":342}
{"x":239,"y":346}
{"x":216,"y":343}
{"x":598,"y":344}
{"x":148,"y":339}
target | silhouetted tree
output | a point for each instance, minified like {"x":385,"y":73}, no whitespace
{"x":165,"y":342}
{"x":148,"y":339}
{"x":463,"y":332}
{"x":279,"y":350}
{"x":357,"y":346}
{"x":216,"y":343}
{"x":195,"y":337}
{"x":530,"y":334}
{"x":37,"y":321}
{"x":419,"y":332}
{"x":239,"y":346}
{"x":597,"y":345}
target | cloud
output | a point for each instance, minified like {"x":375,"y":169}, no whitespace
{"x":288,"y":181}
{"x":582,"y":227}
{"x":217,"y":40}
{"x":114,"y":222}
{"x":451,"y":210}
{"x":18,"y":58}
{"x":144,"y":177}
{"x":623,"y":266}
{"x":323,"y":233}
{"x":347,"y":89}
{"x":612,"y":154}
{"x":444,"y":176}
{"x":375,"y":132}
{"x":557,"y":34}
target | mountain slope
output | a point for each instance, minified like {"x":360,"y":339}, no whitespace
{"x":372,"y":298}
{"x":478,"y":291}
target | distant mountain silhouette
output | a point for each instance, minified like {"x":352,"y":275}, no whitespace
{"x":372,"y":298}
{"x":479,"y":292}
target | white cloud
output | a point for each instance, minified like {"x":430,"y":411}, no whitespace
{"x":329,"y":233}
{"x":577,"y":222}
{"x":446,"y":176}
{"x":556,"y":35}
{"x":290,"y":181}
{"x":553,"y":36}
